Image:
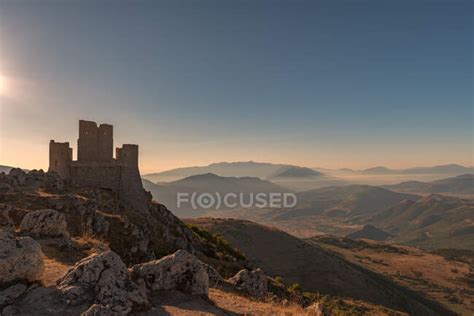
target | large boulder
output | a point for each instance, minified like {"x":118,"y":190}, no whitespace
{"x":253,"y":282}
{"x":179,"y":271}
{"x":214,"y":276}
{"x":6,"y":223}
{"x":102,"y":278}
{"x":99,"y":310}
{"x":18,"y":176}
{"x":21,"y":258}
{"x":44,"y":223}
{"x":11,"y":293}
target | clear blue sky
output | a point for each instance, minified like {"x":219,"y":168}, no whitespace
{"x":339,"y":83}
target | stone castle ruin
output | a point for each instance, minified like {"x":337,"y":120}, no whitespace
{"x":96,"y":167}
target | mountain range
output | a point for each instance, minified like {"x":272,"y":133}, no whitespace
{"x":432,"y":222}
{"x":225,"y":169}
{"x":295,"y":172}
{"x":341,"y":201}
{"x":449,"y":169}
{"x":265,"y":170}
{"x":463,"y":184}
{"x":166,"y":193}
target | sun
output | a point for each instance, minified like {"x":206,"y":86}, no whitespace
{"x":2,"y":84}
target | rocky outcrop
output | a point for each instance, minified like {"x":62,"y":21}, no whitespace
{"x":214,"y":277}
{"x":173,"y":231}
{"x":103,"y":279}
{"x":253,"y":282}
{"x":33,"y":180}
{"x":179,"y":271}
{"x":6,"y":223}
{"x":11,"y":293}
{"x":20,"y":258}
{"x":44,"y":223}
{"x":99,"y":310}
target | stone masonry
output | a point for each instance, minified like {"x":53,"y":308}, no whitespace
{"x":95,"y":166}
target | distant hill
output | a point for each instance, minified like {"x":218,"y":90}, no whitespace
{"x":351,"y":199}
{"x":378,"y":170}
{"x":5,"y":169}
{"x":295,"y":172}
{"x":447,"y":170}
{"x":463,"y":184}
{"x":166,"y":193}
{"x":441,"y":169}
{"x":432,"y":222}
{"x":370,"y":232}
{"x":225,"y":169}
{"x":315,"y":268}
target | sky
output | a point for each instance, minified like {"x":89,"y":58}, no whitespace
{"x":332,"y":84}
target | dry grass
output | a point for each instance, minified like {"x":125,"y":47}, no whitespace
{"x":57,"y":259}
{"x":440,"y":279}
{"x":221,"y":302}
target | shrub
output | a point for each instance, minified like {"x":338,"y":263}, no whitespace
{"x":295,"y":288}
{"x":279,"y":280}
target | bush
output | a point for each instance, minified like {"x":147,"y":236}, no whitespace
{"x":295,"y":288}
{"x":215,"y":244}
{"x":279,"y":280}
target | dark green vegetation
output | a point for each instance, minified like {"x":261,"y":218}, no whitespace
{"x":370,"y":232}
{"x":215,"y":246}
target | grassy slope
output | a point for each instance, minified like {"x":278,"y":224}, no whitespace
{"x":316,"y":269}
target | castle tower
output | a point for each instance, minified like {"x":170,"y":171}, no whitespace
{"x":87,"y":144}
{"x":127,"y":155}
{"x":60,"y":158}
{"x":95,"y":143}
{"x":105,"y":142}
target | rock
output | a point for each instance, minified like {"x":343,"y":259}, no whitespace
{"x":317,"y":309}
{"x":214,"y":276}
{"x":253,"y":282}
{"x":52,"y":182}
{"x":6,"y":223}
{"x":18,"y":175}
{"x":10,"y":294}
{"x":104,"y":279}
{"x":179,"y":271}
{"x":44,"y":223}
{"x":21,"y":258}
{"x":99,"y":310}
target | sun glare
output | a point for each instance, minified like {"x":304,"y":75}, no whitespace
{"x":2,"y":84}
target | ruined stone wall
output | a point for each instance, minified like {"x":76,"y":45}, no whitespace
{"x":95,"y":175}
{"x":60,"y":158}
{"x":124,"y":180}
{"x":128,"y":155}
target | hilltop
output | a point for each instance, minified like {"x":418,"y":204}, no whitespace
{"x":432,"y":222}
{"x":166,"y":192}
{"x":225,"y":169}
{"x":460,"y":185}
{"x":370,"y":232}
{"x":295,"y":172}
